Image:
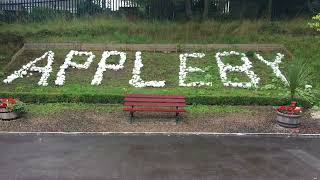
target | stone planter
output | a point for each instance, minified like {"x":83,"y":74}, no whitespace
{"x":288,"y":121}
{"x":6,"y":115}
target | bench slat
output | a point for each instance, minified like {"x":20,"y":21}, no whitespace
{"x":153,"y":110}
{"x":154,"y":96}
{"x":155,"y":104}
{"x":155,"y":100}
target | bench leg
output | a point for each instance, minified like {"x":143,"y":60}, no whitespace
{"x":177,"y":117}
{"x":131,"y":117}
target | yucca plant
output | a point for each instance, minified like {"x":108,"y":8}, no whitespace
{"x":298,"y":75}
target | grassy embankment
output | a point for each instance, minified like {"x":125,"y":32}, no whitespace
{"x":303,"y":42}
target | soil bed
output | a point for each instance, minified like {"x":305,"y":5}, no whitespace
{"x":256,"y":120}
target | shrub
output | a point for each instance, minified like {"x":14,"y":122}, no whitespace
{"x":19,"y":106}
{"x":316,"y":22}
{"x":250,"y":54}
{"x":118,"y":99}
{"x":88,"y":8}
{"x":13,"y":16}
{"x":39,"y":14}
{"x":298,"y":76}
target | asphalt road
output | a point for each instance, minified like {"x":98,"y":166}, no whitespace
{"x":157,"y":157}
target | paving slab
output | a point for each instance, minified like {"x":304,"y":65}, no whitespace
{"x":98,"y":156}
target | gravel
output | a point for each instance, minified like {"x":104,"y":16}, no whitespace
{"x":258,"y":120}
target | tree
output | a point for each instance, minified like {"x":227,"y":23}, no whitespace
{"x":188,"y":5}
{"x":205,"y":9}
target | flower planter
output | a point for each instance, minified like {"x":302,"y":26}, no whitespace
{"x":6,"y":115}
{"x":288,"y":121}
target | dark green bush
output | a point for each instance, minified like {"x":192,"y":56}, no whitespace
{"x":39,"y":14}
{"x":250,"y":54}
{"x":13,"y":16}
{"x":272,"y":28}
{"x":88,"y":8}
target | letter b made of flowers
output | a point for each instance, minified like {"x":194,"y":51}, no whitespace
{"x":245,"y":68}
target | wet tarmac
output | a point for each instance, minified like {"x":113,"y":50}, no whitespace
{"x":141,"y":157}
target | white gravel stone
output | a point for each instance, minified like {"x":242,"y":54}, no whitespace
{"x":315,"y":115}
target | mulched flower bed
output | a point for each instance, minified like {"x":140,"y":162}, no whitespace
{"x":258,"y":120}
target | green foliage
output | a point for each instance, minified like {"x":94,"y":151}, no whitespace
{"x":40,"y":14}
{"x":316,"y":22}
{"x":299,"y":75}
{"x":88,"y":8}
{"x":200,"y":109}
{"x":250,"y":54}
{"x":269,"y":87}
{"x":118,"y":99}
{"x":19,"y":106}
{"x":51,"y":108}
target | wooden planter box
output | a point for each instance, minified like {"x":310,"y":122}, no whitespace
{"x":6,"y":115}
{"x":288,"y":121}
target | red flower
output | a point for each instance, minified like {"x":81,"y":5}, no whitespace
{"x":12,"y":100}
{"x":8,"y":100}
{"x":293,"y":104}
{"x":3,"y":105}
{"x":291,"y":109}
{"x":296,"y":111}
{"x":282,"y":108}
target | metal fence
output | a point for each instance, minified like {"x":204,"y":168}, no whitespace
{"x":39,"y":10}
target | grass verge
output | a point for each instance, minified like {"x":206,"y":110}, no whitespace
{"x":51,"y":108}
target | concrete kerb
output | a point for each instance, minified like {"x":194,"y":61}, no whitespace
{"x":283,"y":135}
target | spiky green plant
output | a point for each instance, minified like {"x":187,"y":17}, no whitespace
{"x":298,"y":76}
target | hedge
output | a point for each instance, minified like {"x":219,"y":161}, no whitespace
{"x":116,"y":99}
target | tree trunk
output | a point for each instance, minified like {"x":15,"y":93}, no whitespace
{"x":269,"y":10}
{"x":188,"y":9}
{"x":205,"y":9}
{"x":242,"y":8}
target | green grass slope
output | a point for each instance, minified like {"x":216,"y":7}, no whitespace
{"x":295,"y":34}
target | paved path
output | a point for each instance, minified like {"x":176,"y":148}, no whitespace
{"x":157,"y":157}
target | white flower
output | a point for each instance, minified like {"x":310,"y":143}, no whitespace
{"x":136,"y":80}
{"x":103,"y":66}
{"x":245,"y":68}
{"x":45,"y":71}
{"x":68,"y":63}
{"x":308,"y":87}
{"x":275,"y":66}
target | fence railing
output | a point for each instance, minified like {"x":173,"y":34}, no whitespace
{"x":38,"y":10}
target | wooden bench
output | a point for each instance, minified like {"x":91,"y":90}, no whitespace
{"x":154,"y":103}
